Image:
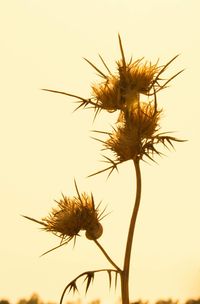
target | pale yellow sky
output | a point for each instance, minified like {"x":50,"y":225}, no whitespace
{"x":44,"y":146}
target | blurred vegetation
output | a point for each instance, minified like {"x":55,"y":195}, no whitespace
{"x":35,"y":299}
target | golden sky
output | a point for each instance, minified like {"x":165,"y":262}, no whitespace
{"x":44,"y":145}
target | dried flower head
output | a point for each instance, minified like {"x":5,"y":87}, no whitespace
{"x":136,"y":135}
{"x":137,"y":77}
{"x":135,"y":128}
{"x":122,"y":89}
{"x":107,"y":94}
{"x":72,"y":215}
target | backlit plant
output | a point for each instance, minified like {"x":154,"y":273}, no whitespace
{"x":132,"y":92}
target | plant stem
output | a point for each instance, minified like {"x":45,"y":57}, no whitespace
{"x":125,"y":272}
{"x":107,"y":256}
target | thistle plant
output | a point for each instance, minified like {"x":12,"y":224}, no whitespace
{"x":131,"y":92}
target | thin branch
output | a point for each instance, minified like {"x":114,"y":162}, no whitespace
{"x":107,"y":256}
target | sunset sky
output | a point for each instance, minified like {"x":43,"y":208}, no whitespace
{"x":44,"y":146}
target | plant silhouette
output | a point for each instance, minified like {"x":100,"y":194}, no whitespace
{"x":132,"y":92}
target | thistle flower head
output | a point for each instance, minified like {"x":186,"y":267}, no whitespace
{"x":71,"y":215}
{"x":118,"y":92}
{"x":135,"y":128}
{"x":121,"y":89}
{"x":136,"y":135}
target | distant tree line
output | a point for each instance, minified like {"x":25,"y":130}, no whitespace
{"x":35,"y":299}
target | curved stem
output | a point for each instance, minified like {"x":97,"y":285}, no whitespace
{"x":107,"y":256}
{"x":125,"y":272}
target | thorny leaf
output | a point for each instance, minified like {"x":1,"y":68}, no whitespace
{"x":83,"y":101}
{"x":73,"y":287}
{"x":89,"y":278}
{"x":111,"y":168}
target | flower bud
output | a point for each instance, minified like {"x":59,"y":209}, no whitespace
{"x":94,"y":232}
